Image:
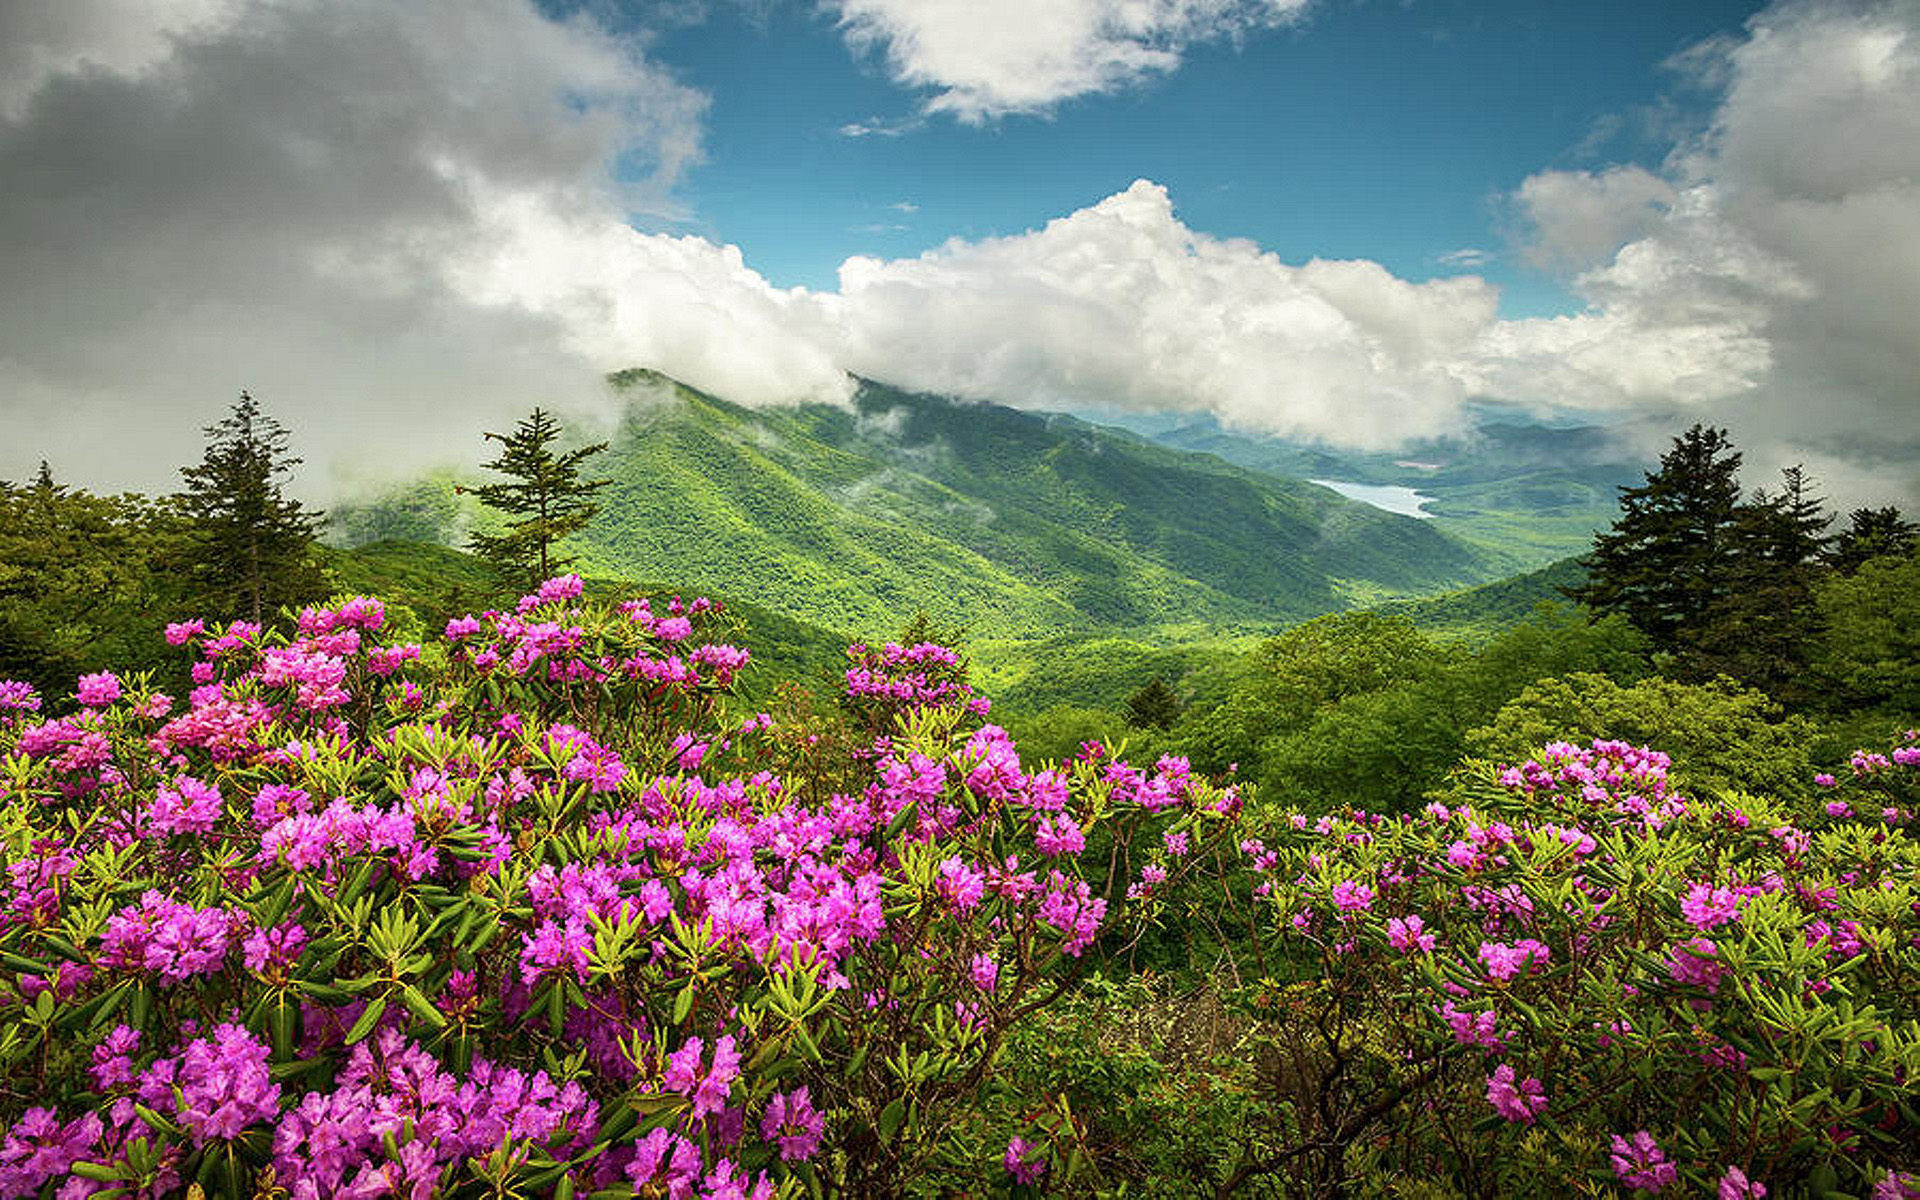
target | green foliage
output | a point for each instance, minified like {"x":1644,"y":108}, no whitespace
{"x":1871,"y":533}
{"x":1154,"y":706}
{"x":1364,"y":710}
{"x":81,"y":582}
{"x":1868,"y":653}
{"x":1723,"y":737}
{"x":543,"y":498}
{"x":1665,"y":563}
{"x":1281,"y":686}
{"x":249,"y":546}
{"x":1477,"y":614}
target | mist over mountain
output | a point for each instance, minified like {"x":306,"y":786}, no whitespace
{"x":979,"y":514}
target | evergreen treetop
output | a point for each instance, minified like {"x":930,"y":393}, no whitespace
{"x":1665,"y":563}
{"x":251,"y":546}
{"x":544,"y":495}
{"x":1871,"y":533}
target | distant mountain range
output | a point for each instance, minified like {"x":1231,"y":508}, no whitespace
{"x":1525,"y":494}
{"x":1005,"y":521}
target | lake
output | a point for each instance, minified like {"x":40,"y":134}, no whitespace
{"x":1390,"y":496}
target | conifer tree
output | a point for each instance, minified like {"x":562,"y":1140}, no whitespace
{"x":1667,"y":561}
{"x":1761,"y":627}
{"x":1154,"y":706}
{"x":250,"y":545}
{"x":544,"y":497}
{"x":1871,"y":533}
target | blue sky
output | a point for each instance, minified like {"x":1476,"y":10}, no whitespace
{"x":1364,"y":130}
{"x":1348,"y":222}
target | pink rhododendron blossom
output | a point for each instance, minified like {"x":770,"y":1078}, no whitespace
{"x":1407,"y":934}
{"x":1519,"y":1100}
{"x":99,"y":689}
{"x":1024,"y":1161}
{"x":1641,"y":1163}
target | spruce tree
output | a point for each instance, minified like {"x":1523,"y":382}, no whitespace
{"x":1761,"y":627}
{"x":1154,"y":706}
{"x":1870,"y":534}
{"x":544,"y":497}
{"x":250,"y":547}
{"x":1667,"y":561}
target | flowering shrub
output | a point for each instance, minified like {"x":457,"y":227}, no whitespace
{"x":531,"y":908}
{"x":1568,"y":972}
{"x":528,"y":908}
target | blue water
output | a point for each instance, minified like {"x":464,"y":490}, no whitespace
{"x":1390,"y":496}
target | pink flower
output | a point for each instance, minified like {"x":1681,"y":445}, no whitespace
{"x":794,"y":1124}
{"x":1695,"y":962}
{"x":1709,"y":907}
{"x":1503,"y":962}
{"x":1735,"y":1185}
{"x":1641,"y":1163}
{"x":99,"y":690}
{"x":710,"y":1088}
{"x":1521,"y":1101}
{"x":1023,"y":1168}
{"x":1352,"y":898}
{"x":1406,"y":935}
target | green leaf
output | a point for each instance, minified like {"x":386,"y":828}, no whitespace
{"x":421,"y":1007}
{"x":368,"y":1019}
{"x":890,"y":1118}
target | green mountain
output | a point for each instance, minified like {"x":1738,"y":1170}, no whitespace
{"x":999,"y":520}
{"x":1482,"y":612}
{"x":1526,"y":495}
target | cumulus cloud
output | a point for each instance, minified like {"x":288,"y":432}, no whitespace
{"x":396,"y":224}
{"x":1578,"y":219}
{"x":1121,"y":304}
{"x":1768,"y":278}
{"x":988,"y":58}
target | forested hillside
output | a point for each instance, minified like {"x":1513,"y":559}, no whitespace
{"x":1005,"y":521}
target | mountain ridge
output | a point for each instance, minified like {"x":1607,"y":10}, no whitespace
{"x":978,"y":514}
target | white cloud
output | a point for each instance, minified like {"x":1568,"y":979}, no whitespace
{"x":1465,"y":258}
{"x":1579,"y":219}
{"x":394,"y":223}
{"x":988,"y":58}
{"x":1769,"y":278}
{"x":400,"y":219}
{"x":1120,"y":304}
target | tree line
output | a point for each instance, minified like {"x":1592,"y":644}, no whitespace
{"x":1724,"y":583}
{"x":85,"y":577}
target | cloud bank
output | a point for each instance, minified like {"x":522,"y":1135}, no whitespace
{"x":403,"y":219}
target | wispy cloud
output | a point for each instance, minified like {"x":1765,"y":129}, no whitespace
{"x":883,"y":127}
{"x":1466,"y":258}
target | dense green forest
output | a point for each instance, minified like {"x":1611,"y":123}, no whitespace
{"x":921,"y":799}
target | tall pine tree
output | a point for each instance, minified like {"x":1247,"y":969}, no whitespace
{"x":1762,"y":626}
{"x":543,"y":496}
{"x":1871,"y":533}
{"x":1667,"y":561}
{"x":250,"y":547}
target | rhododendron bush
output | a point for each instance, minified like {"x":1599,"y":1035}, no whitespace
{"x":527,"y":909}
{"x":1567,"y":974}
{"x":534,"y":907}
